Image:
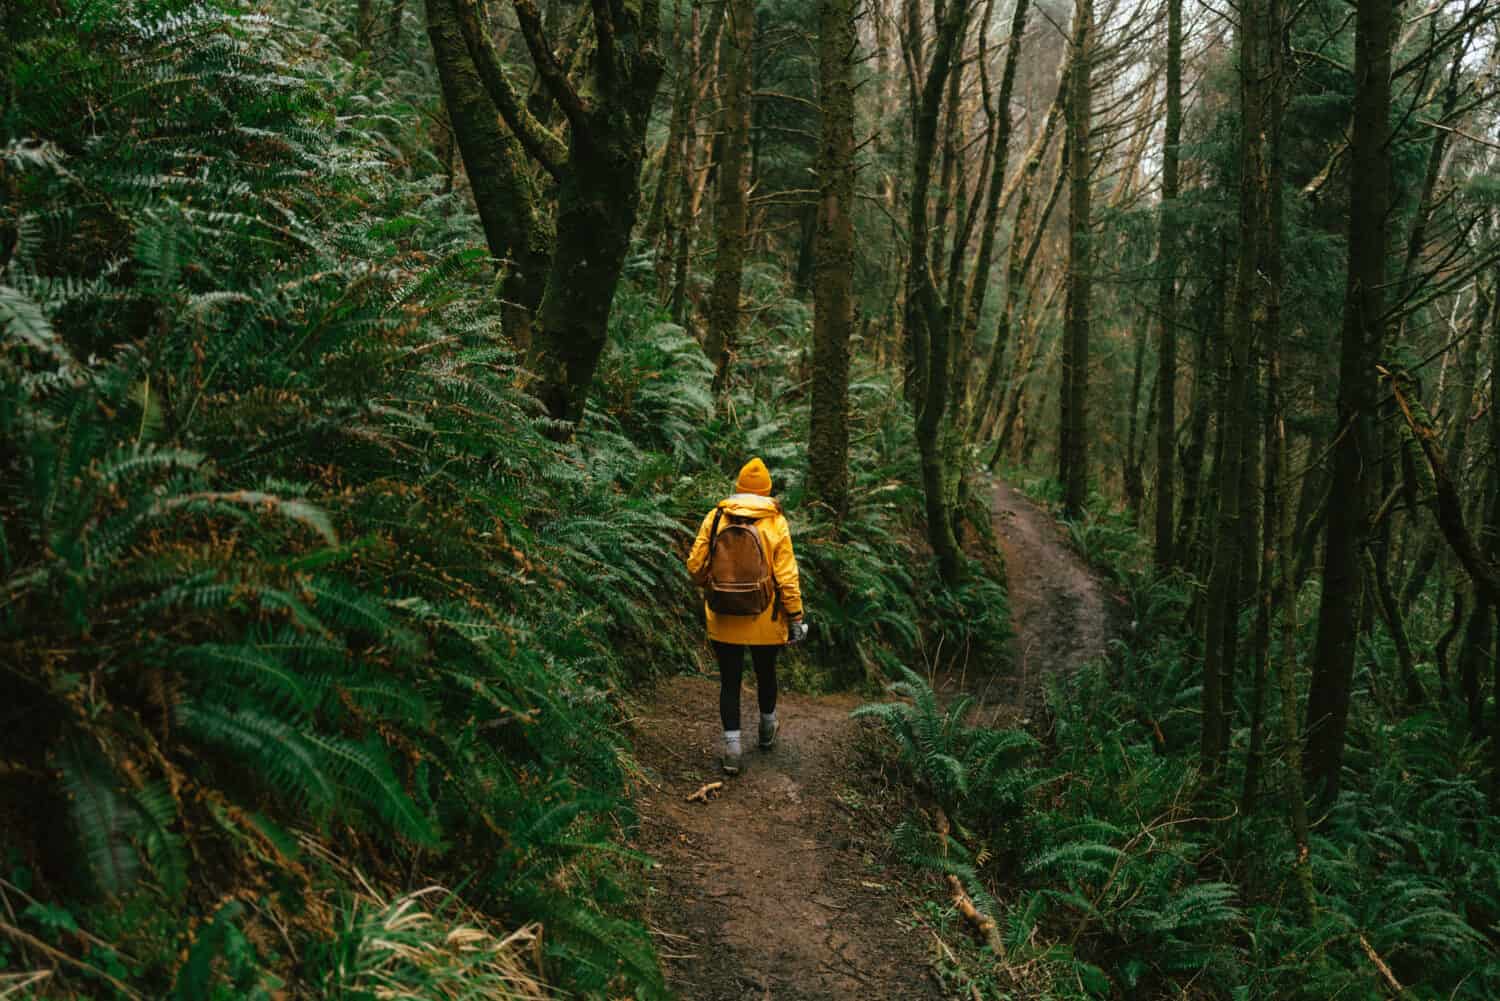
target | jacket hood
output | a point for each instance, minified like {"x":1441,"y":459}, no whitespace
{"x":750,"y":505}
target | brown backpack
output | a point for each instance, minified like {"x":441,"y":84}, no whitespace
{"x":739,"y":579}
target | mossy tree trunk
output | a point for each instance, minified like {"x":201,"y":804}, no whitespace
{"x":927,"y":327}
{"x":833,"y":263}
{"x":605,"y":102}
{"x":1492,"y":551}
{"x":1072,"y":450}
{"x":1274,"y":594}
{"x":1133,"y":478}
{"x":1205,"y":367}
{"x":393,"y":25}
{"x":506,"y":193}
{"x":1004,"y":407}
{"x":1461,"y":403}
{"x":667,"y":180}
{"x":1166,"y":375}
{"x":737,"y":67}
{"x":1021,"y":258}
{"x":1279,"y":528}
{"x":682,"y":225}
{"x":364,"y":23}
{"x":1233,"y":549}
{"x":1355,"y":450}
{"x":967,"y":299}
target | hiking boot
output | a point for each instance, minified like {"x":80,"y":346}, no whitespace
{"x":770,"y":726}
{"x":730,"y":760}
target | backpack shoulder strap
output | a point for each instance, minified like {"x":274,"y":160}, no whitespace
{"x":713,"y":533}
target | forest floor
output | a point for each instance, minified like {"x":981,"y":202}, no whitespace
{"x":774,"y":887}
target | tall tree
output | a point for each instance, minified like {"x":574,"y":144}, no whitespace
{"x":1355,"y":449}
{"x":928,"y":331}
{"x":737,"y":68}
{"x":506,"y":192}
{"x":833,"y":284}
{"x":605,"y":103}
{"x":1072,"y":453}
{"x":1492,"y":552}
{"x":1002,"y":126}
{"x":1220,"y":613}
{"x":1274,"y":585}
{"x":682,"y":225}
{"x":1167,"y":243}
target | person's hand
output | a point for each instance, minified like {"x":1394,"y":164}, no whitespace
{"x":796,"y":631}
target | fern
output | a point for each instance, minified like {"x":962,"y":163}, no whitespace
{"x":255,"y":668}
{"x":164,"y":848}
{"x":102,"y":818}
{"x":297,"y":766}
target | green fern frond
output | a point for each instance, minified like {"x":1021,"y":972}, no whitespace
{"x":164,"y":847}
{"x":253,"y":667}
{"x":101,"y":816}
{"x":364,"y":772}
{"x":23,"y":321}
{"x":293,"y":764}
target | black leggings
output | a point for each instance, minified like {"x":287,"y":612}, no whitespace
{"x":732,"y":666}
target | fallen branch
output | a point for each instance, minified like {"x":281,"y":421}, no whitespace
{"x":706,"y":792}
{"x":1385,"y":971}
{"x":982,"y":922}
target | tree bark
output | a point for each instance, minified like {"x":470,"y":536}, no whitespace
{"x":1205,"y":381}
{"x":1390,"y":613}
{"x":1166,"y":375}
{"x":597,"y":173}
{"x":1492,"y":551}
{"x":1135,"y":484}
{"x":516,"y":226}
{"x":364,"y":23}
{"x":928,"y":332}
{"x":979,"y":281}
{"x":1021,"y":256}
{"x":1285,"y":601}
{"x":682,"y":229}
{"x":1256,"y":115}
{"x":667,"y":179}
{"x":1363,"y":335}
{"x":737,"y":72}
{"x":394,"y":24}
{"x":1271,"y":517}
{"x":1073,"y":445}
{"x":1461,"y":407}
{"x":833,"y":288}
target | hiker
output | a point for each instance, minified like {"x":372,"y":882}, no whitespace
{"x":743,"y":560}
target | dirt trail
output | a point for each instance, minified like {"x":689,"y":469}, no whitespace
{"x":1057,"y":607}
{"x":774,"y":890}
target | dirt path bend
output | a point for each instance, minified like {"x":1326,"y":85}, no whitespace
{"x":1056,"y":605}
{"x":773,"y":890}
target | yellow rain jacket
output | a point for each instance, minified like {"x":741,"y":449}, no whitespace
{"x":769,"y":627}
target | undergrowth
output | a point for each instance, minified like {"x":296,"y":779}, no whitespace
{"x":1116,"y":870}
{"x":304,"y":611}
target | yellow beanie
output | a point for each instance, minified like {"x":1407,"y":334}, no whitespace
{"x":754,"y":478}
